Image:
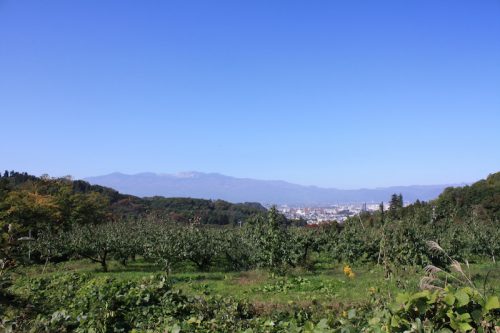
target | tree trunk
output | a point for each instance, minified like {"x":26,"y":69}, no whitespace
{"x":104,"y":264}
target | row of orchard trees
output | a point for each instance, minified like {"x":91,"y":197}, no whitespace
{"x":266,"y":241}
{"x":29,"y":204}
{"x":402,"y":243}
{"x":269,"y":241}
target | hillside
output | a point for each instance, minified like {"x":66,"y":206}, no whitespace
{"x":29,"y":202}
{"x":481,"y":198}
{"x":479,"y":201}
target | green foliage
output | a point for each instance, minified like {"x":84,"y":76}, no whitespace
{"x":79,"y":303}
{"x":33,"y":205}
{"x":8,"y":300}
{"x":83,"y":303}
{"x":202,"y":245}
{"x":352,"y":243}
{"x":396,"y":206}
{"x":404,"y":245}
{"x":481,"y":199}
{"x":450,"y":310}
{"x":271,"y":240}
{"x":187,"y":210}
{"x":162,"y":243}
{"x":89,"y":208}
{"x":237,"y":249}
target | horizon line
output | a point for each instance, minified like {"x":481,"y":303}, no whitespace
{"x":463,"y":183}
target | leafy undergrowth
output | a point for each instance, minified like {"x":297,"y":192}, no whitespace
{"x":74,"y":297}
{"x":325,"y":285}
{"x":83,"y":302}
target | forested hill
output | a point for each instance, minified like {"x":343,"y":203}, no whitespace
{"x":481,"y":198}
{"x":28,"y":201}
{"x":479,"y":201}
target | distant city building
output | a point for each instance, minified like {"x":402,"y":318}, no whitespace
{"x":339,"y":213}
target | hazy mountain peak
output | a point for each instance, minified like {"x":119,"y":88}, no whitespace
{"x":217,"y":186}
{"x":188,"y":174}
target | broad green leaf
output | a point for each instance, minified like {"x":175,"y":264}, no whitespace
{"x":395,"y":321}
{"x":449,"y":299}
{"x":433,"y":298}
{"x":175,"y":329}
{"x":402,"y":298}
{"x":462,"y":298}
{"x":422,"y":294}
{"x":323,"y":324}
{"x":464,"y":327}
{"x":476,"y":316}
{"x":464,"y":317}
{"x":491,"y":304}
{"x":422,"y":305}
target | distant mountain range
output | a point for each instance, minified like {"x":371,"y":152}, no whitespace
{"x":217,"y":186}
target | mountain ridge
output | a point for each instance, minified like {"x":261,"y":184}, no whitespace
{"x":218,"y":186}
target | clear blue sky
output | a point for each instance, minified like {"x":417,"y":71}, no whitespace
{"x":332,"y":93}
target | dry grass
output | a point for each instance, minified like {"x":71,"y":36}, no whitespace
{"x":432,"y":279}
{"x":250,"y":278}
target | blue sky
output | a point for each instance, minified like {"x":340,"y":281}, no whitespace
{"x":341,"y":94}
